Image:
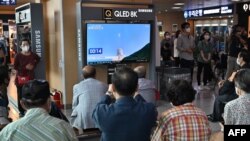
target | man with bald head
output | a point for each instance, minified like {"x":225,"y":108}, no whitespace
{"x":86,"y":94}
{"x":146,"y":87}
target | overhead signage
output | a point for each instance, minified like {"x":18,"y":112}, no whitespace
{"x":243,"y":8}
{"x":128,"y":14}
{"x":23,"y":16}
{"x":211,"y":11}
{"x":7,"y":2}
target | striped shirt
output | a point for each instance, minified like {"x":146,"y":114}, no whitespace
{"x":38,"y":125}
{"x":182,"y":123}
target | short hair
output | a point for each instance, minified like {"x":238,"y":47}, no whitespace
{"x":177,"y":33}
{"x":89,"y":72}
{"x":184,"y":25}
{"x":35,"y":93}
{"x":125,"y":81}
{"x":245,"y":55}
{"x":206,"y":32}
{"x":141,"y":71}
{"x":165,"y":33}
{"x":242,"y":80}
{"x":25,"y":40}
{"x":180,"y":92}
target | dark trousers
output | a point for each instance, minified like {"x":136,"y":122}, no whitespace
{"x":219,"y":104}
{"x":19,"y":93}
{"x":188,"y":64}
{"x":206,"y":72}
{"x":177,"y":61}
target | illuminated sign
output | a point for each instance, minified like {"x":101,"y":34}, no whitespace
{"x":23,"y":16}
{"x":246,"y":7}
{"x":212,"y":11}
{"x":7,"y":2}
{"x":127,"y":13}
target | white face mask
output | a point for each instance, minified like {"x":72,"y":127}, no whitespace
{"x":206,"y":37}
{"x":188,"y":29}
{"x":167,"y":37}
{"x":25,"y":48}
{"x":238,"y":61}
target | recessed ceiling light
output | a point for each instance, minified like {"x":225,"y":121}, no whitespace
{"x":179,"y":3}
{"x":166,"y":10}
{"x":175,"y":7}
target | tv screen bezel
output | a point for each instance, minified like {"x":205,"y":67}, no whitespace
{"x":123,"y":62}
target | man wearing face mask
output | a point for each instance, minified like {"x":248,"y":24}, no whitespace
{"x":185,"y":45}
{"x":237,"y":112}
{"x":227,"y":89}
{"x":24,"y":66}
{"x":236,"y":43}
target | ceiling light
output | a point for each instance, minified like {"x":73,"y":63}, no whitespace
{"x":235,"y":0}
{"x":179,"y":3}
{"x":175,"y":7}
{"x":166,"y":10}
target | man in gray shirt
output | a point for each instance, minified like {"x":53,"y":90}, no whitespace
{"x":185,"y":45}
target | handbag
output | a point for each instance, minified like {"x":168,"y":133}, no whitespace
{"x":21,"y":80}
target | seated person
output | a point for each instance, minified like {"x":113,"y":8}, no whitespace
{"x":130,"y":118}
{"x":146,"y":87}
{"x":237,"y":112}
{"x":3,"y":113}
{"x":86,"y":94}
{"x":227,"y":89}
{"x":37,"y":124}
{"x":183,"y":122}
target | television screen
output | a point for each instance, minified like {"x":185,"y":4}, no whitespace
{"x":117,"y":43}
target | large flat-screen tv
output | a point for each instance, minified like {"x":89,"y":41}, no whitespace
{"x":109,"y":43}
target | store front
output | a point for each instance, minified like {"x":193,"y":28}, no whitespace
{"x":218,"y":20}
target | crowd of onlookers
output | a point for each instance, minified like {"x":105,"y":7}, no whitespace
{"x":125,"y":110}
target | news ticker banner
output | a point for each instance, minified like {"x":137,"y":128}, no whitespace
{"x":237,"y":132}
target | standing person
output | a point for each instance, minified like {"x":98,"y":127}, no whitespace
{"x":37,"y":124}
{"x":130,"y":118}
{"x":186,"y":46}
{"x":183,"y":122}
{"x":24,"y":67}
{"x":235,"y":45}
{"x":204,"y":58}
{"x":237,"y":112}
{"x":176,"y":52}
{"x":86,"y":94}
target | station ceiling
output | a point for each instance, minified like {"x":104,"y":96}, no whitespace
{"x":163,"y":5}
